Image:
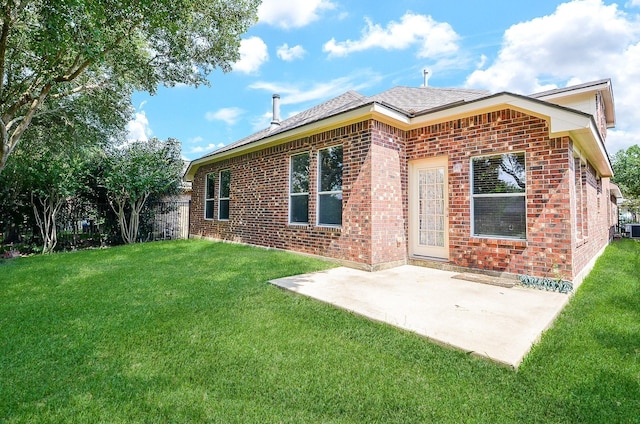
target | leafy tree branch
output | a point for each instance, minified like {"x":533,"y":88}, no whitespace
{"x":136,"y":172}
{"x":58,"y":49}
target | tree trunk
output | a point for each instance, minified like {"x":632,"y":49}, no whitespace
{"x":46,"y":220}
{"x":129,"y":228}
{"x":12,"y":128}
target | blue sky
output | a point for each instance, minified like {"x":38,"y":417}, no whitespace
{"x":310,"y":51}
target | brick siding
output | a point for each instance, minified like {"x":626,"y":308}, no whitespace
{"x":374,"y":229}
{"x":259,"y":203}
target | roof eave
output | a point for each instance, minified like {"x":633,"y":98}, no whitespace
{"x":604,"y":87}
{"x":615,"y":190}
{"x":355,"y":114}
{"x":590,"y":144}
{"x":562,"y":121}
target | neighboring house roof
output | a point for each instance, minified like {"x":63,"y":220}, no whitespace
{"x":408,"y":106}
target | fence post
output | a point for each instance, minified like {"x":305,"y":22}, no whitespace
{"x":189,"y":219}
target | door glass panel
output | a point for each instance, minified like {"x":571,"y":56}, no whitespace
{"x":431,"y":207}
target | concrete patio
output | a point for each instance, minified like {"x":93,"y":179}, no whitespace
{"x":496,"y":322}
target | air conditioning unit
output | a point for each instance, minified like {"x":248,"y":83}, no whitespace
{"x":632,"y":230}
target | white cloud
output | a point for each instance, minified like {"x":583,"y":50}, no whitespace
{"x":262,"y":121}
{"x":291,"y":53}
{"x":577,"y":41}
{"x":253,"y":53}
{"x":138,"y":128}
{"x":583,"y":40}
{"x":230,"y":115}
{"x":633,"y":3}
{"x":205,"y":149}
{"x":292,"y":14}
{"x":432,"y":38}
{"x":482,"y":61}
{"x":619,"y":140}
{"x":294,"y":93}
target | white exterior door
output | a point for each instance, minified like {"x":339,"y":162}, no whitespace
{"x":428,"y":208}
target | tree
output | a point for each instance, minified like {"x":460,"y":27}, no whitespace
{"x":47,"y":170}
{"x":47,"y":178}
{"x":55,"y":178}
{"x":50,"y":50}
{"x":135,"y":172}
{"x":626,"y":174}
{"x":626,"y":171}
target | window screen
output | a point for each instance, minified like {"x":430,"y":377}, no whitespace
{"x":330,"y":186}
{"x":499,"y":200}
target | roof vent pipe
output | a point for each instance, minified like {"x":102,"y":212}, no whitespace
{"x":426,"y":74}
{"x":275,"y":122}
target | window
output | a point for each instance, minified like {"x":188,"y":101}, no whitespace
{"x":330,"y":186}
{"x":209,"y":194}
{"x":223,"y":195}
{"x":299,"y":189}
{"x":499,"y":198}
{"x":580,"y":213}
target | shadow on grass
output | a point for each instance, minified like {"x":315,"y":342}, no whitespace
{"x":190,"y":332}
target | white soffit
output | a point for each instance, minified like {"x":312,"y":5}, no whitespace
{"x":345,"y":118}
{"x":562,"y":122}
{"x":565,"y":96}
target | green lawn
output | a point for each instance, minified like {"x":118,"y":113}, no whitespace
{"x":189,"y":331}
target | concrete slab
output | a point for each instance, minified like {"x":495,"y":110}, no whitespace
{"x":495,"y":322}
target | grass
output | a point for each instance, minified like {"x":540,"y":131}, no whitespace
{"x":188,"y":331}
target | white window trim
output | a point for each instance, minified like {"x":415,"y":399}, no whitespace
{"x":318,"y":181}
{"x":220,"y":198}
{"x":208,"y":199}
{"x":291,"y":194}
{"x":501,"y":195}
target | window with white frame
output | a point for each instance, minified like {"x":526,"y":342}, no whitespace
{"x":299,"y":189}
{"x":330,"y":186}
{"x":209,"y":196}
{"x":223,"y":194}
{"x":499,"y":196}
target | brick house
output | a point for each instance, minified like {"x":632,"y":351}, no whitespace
{"x":496,"y":182}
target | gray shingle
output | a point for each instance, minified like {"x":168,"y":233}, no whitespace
{"x":413,"y":100}
{"x":408,"y":100}
{"x":345,"y":101}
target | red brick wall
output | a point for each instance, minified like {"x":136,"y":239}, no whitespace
{"x":259,"y":203}
{"x":389,"y":211}
{"x":601,"y":118}
{"x":375,"y":201}
{"x":548,"y":244}
{"x":597,"y":218}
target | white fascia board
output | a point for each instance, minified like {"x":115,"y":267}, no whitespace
{"x":562,"y":121}
{"x":345,"y":118}
{"x":591,"y":146}
{"x":381,"y":111}
{"x":615,"y":190}
{"x":603,"y":87}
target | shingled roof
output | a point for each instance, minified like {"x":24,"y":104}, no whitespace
{"x":412,"y":100}
{"x":407,"y":100}
{"x":563,"y":108}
